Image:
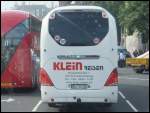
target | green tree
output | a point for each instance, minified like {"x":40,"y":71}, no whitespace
{"x":134,"y":15}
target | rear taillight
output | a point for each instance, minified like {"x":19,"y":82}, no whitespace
{"x":44,"y":78}
{"x":112,"y":79}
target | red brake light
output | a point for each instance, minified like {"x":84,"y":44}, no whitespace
{"x":112,"y":79}
{"x":44,"y":78}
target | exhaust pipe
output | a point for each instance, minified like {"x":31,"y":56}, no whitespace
{"x":106,"y":100}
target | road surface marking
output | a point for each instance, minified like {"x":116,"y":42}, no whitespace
{"x":8,"y":100}
{"x":132,"y":78}
{"x":135,"y":110}
{"x":128,"y":102}
{"x":36,"y":107}
{"x":122,"y":95}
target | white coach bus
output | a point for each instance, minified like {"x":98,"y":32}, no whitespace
{"x":79,"y":56}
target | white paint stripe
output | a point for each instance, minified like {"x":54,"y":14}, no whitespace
{"x":131,"y":105}
{"x":132,"y":78}
{"x":8,"y":100}
{"x":128,"y":102}
{"x":36,"y":107}
{"x":122,"y":95}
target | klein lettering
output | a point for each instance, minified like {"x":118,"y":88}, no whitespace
{"x":74,"y":66}
{"x":67,"y":66}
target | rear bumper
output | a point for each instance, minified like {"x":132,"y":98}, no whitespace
{"x":105,"y":95}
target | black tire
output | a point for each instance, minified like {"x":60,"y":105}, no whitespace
{"x":139,"y":70}
{"x":108,"y":105}
{"x":105,"y":105}
{"x":34,"y":80}
{"x":7,"y":90}
{"x":52,"y":104}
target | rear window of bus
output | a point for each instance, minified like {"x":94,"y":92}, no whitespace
{"x":78,"y":28}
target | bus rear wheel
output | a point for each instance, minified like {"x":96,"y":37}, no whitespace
{"x":34,"y":80}
{"x":52,"y":104}
{"x":108,"y":105}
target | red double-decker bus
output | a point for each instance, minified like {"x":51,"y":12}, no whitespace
{"x":20,"y":36}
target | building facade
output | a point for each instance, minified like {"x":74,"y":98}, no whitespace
{"x":38,"y":10}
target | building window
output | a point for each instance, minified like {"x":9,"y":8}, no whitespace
{"x":37,"y":12}
{"x":43,"y":12}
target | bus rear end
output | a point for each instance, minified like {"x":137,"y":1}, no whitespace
{"x":79,"y":56}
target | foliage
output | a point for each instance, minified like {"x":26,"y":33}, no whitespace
{"x":131,"y":15}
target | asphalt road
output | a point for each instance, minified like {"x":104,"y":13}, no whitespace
{"x":133,"y":97}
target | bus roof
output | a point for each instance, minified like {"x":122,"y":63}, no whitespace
{"x":78,"y":7}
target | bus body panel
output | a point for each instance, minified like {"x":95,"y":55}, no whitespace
{"x":68,"y":96}
{"x":66,"y":72}
{"x":20,"y":68}
{"x":9,"y":20}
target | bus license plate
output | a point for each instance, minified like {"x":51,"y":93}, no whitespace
{"x":79,"y":86}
